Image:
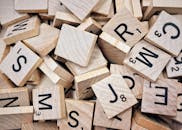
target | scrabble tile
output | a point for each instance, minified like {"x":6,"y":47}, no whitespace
{"x":49,"y":103}
{"x":145,"y":4}
{"x":135,"y":126}
{"x":114,"y":50}
{"x":152,"y":20}
{"x":80,"y":8}
{"x":5,"y":82}
{"x":124,"y":26}
{"x":14,"y":117}
{"x":8,"y":15}
{"x":103,"y":7}
{"x":80,"y":47}
{"x":124,"y":3}
{"x":160,"y":97}
{"x":31,"y":6}
{"x":84,"y":82}
{"x":134,"y":81}
{"x":35,"y":78}
{"x":114,"y":95}
{"x":22,"y":30}
{"x":137,"y":9}
{"x":79,"y":118}
{"x":4,"y":50}
{"x":20,"y":63}
{"x":174,"y":67}
{"x":121,"y":121}
{"x":97,"y":61}
{"x":14,"y":97}
{"x":147,"y":60}
{"x":40,"y":126}
{"x":45,"y":42}
{"x":160,"y":35}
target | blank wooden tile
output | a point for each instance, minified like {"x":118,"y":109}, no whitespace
{"x":161,"y":36}
{"x":137,"y":9}
{"x":40,"y":126}
{"x":114,"y":95}
{"x":20,"y":63}
{"x":5,"y":82}
{"x":80,"y":114}
{"x":49,"y":103}
{"x":80,"y":8}
{"x":45,"y":42}
{"x":160,"y":97}
{"x":121,"y":121}
{"x":31,"y":6}
{"x":103,"y":7}
{"x":124,"y":26}
{"x":4,"y":50}
{"x":114,"y":50}
{"x":147,"y":60}
{"x":22,"y":30}
{"x":97,"y":61}
{"x":135,"y":126}
{"x":124,"y":3}
{"x":80,"y":47}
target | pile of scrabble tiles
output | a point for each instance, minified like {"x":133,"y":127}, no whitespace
{"x":91,"y":64}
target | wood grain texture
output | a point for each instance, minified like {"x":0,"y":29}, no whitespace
{"x":135,"y":126}
{"x":124,"y":3}
{"x":35,"y":78}
{"x":103,"y":7}
{"x":4,"y":50}
{"x":5,"y":82}
{"x":40,"y":126}
{"x":137,"y":9}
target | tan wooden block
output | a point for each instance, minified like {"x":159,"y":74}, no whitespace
{"x":8,"y":15}
{"x":84,"y":82}
{"x":160,"y":35}
{"x":121,"y":121}
{"x":31,"y":6}
{"x":160,"y":97}
{"x":97,"y":61}
{"x":40,"y":126}
{"x":80,"y":114}
{"x":5,"y":82}
{"x":45,"y":42}
{"x":49,"y":103}
{"x":147,"y":60}
{"x":4,"y":50}
{"x":124,"y":3}
{"x":90,"y":25}
{"x":14,"y":117}
{"x":35,"y":78}
{"x":137,"y":9}
{"x":80,"y":47}
{"x":80,"y":8}
{"x":22,"y":30}
{"x":20,"y":64}
{"x":124,"y":26}
{"x":152,"y":20}
{"x":114,"y":95}
{"x":145,"y":4}
{"x":103,"y":7}
{"x":174,"y":67}
{"x":114,"y":50}
{"x":57,"y":58}
{"x":99,"y":128}
{"x":65,"y":17}
{"x":134,"y":81}
{"x":135,"y":126}
{"x":146,"y":25}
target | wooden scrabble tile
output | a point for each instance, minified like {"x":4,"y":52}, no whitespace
{"x":80,"y":47}
{"x":135,"y":126}
{"x":49,"y":103}
{"x":14,"y":117}
{"x":103,"y":7}
{"x":114,"y":95}
{"x":84,"y":82}
{"x":40,"y":126}
{"x":22,"y":30}
{"x":114,"y":50}
{"x":160,"y":35}
{"x":5,"y":82}
{"x":99,"y":128}
{"x":45,"y":42}
{"x":31,"y":6}
{"x":65,"y":17}
{"x":134,"y":81}
{"x":97,"y":61}
{"x":4,"y":49}
{"x":90,"y":25}
{"x":137,"y":9}
{"x":121,"y":121}
{"x":80,"y":114}
{"x":160,"y":97}
{"x":152,"y":20}
{"x":147,"y":60}
{"x":174,"y":67}
{"x":80,"y":8}
{"x":124,"y":26}
{"x":8,"y":15}
{"x":20,"y":63}
{"x":124,"y":3}
{"x":145,"y":4}
{"x":35,"y":78}
{"x":146,"y":25}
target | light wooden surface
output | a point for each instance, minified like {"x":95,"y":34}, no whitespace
{"x":4,"y":49}
{"x":135,"y":126}
{"x":114,"y":50}
{"x":40,"y":126}
{"x":31,"y":6}
{"x":80,"y":8}
{"x":114,"y":95}
{"x":49,"y":103}
{"x":145,"y":4}
{"x":103,"y":7}
{"x":161,"y":36}
{"x":124,"y":3}
{"x":121,"y":121}
{"x":147,"y":60}
{"x":137,"y":9}
{"x":124,"y":26}
{"x":80,"y":114}
{"x":5,"y":82}
{"x":20,"y":64}
{"x":35,"y":78}
{"x":97,"y":61}
{"x":22,"y":30}
{"x":80,"y":47}
{"x":45,"y":42}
